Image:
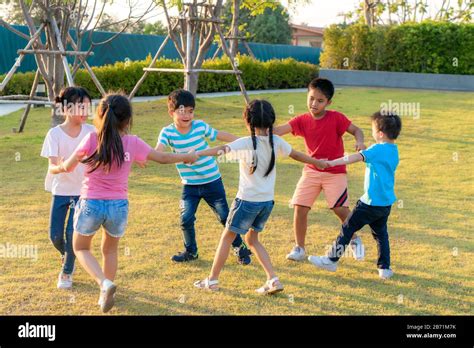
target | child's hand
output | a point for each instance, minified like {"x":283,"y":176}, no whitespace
{"x":191,"y":157}
{"x":141,"y":164}
{"x":329,"y":164}
{"x":360,"y":147}
{"x":60,"y":165}
{"x":321,"y":164}
{"x":80,"y":155}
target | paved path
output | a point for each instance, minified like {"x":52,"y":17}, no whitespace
{"x":6,"y":109}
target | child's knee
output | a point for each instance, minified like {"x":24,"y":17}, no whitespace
{"x":109,"y":249}
{"x":57,"y":241}
{"x":251,"y":238}
{"x":187,"y":220}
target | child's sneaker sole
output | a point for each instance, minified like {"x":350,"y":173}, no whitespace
{"x":109,"y":300}
{"x":275,"y":291}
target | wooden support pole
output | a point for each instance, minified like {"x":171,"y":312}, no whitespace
{"x":216,"y":53}
{"x":69,"y":77}
{"x":28,"y":106}
{"x":249,"y":50}
{"x":188,"y":65}
{"x":20,"y":58}
{"x":232,"y":62}
{"x":147,"y":71}
{"x":193,"y":70}
{"x":55,"y":52}
{"x":35,"y":102}
{"x":22,"y":97}
{"x":88,"y":68}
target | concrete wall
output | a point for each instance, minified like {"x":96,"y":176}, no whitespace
{"x":399,"y":79}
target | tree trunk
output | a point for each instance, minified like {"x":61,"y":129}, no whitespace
{"x":234,"y":43}
{"x":191,"y":81}
{"x":368,"y":13}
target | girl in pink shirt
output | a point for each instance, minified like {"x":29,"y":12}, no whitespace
{"x":108,"y":155}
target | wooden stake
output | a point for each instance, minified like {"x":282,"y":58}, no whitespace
{"x":28,"y":106}
{"x":155,"y":58}
{"x":232,"y":62}
{"x":88,"y":68}
{"x":69,"y":77}
{"x":20,"y":58}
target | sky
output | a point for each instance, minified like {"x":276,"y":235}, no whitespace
{"x":318,"y":13}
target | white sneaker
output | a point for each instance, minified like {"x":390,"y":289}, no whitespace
{"x":357,"y":248}
{"x":296,"y":254}
{"x":323,"y":262}
{"x":64,"y":281}
{"x":385,"y":273}
{"x":107,"y":295}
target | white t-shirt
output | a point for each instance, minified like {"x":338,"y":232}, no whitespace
{"x":257,"y":187}
{"x":59,"y":144}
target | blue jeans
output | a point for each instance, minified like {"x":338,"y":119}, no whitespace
{"x":214,"y":195}
{"x":374,"y":216}
{"x":60,"y":237}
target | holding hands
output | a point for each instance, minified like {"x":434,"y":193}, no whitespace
{"x":191,"y":157}
{"x":359,"y":146}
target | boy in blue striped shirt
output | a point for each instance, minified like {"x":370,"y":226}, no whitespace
{"x":202,"y":179}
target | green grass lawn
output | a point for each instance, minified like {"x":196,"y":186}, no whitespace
{"x":431,"y":227}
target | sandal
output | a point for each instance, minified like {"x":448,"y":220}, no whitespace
{"x":212,"y":285}
{"x":270,"y":287}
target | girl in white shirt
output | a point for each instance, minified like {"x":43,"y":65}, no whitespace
{"x":254,"y":202}
{"x":60,"y":142}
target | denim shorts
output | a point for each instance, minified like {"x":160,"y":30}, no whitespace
{"x":245,"y":215}
{"x":90,"y":214}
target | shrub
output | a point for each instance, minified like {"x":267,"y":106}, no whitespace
{"x":427,"y":47}
{"x":273,"y":74}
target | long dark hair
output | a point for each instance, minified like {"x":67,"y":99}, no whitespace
{"x":260,"y":114}
{"x":114,"y":114}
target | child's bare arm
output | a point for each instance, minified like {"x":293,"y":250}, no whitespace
{"x":283,"y":129}
{"x":301,"y":157}
{"x":358,"y":135}
{"x":225,"y":136}
{"x":53,"y":165}
{"x":215,"y":151}
{"x":168,"y":157}
{"x":160,"y":147}
{"x":357,"y":157}
{"x":67,"y":166}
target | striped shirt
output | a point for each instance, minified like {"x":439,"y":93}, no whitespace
{"x":203,"y":171}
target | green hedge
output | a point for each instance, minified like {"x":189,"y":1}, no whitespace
{"x":272,"y":74}
{"x":427,"y":47}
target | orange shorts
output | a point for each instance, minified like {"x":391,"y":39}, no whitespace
{"x":313,"y":182}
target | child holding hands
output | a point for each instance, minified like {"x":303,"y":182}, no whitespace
{"x":255,"y":198}
{"x":108,"y":155}
{"x":373,"y":208}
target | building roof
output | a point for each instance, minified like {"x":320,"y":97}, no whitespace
{"x":309,"y":29}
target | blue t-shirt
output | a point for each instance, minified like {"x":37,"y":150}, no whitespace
{"x":381,"y":161}
{"x":203,"y":171}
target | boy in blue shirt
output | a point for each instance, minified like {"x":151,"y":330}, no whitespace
{"x":373,"y":208}
{"x":202,"y":179}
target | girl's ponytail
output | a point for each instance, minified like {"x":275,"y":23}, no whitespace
{"x":260,"y":114}
{"x":114,"y":115}
{"x":271,"y":165}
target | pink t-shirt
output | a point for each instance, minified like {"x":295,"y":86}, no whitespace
{"x":112,"y":185}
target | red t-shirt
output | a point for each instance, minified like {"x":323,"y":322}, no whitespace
{"x":323,"y":137}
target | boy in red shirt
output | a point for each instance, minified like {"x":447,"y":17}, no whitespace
{"x":322,"y":131}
